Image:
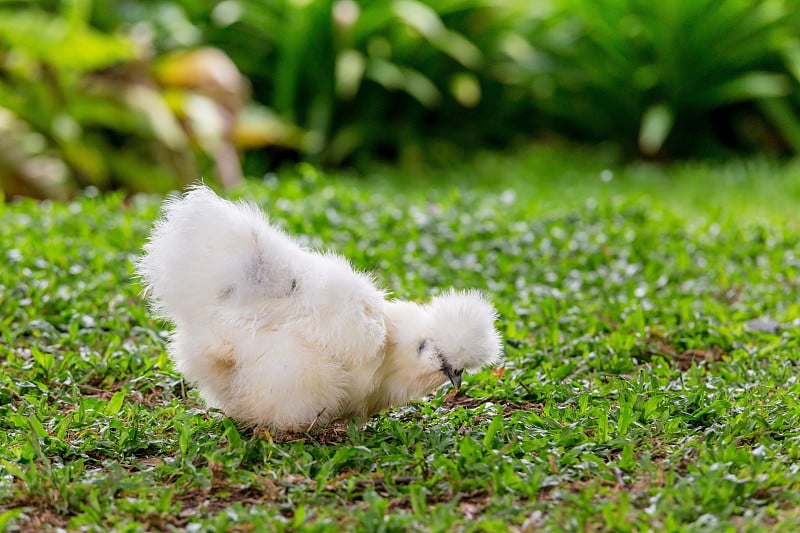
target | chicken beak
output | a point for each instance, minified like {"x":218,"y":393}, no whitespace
{"x":453,"y":375}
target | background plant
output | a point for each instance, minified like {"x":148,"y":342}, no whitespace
{"x":341,"y":82}
{"x":396,"y":77}
{"x":363,"y":79}
{"x":686,"y":77}
{"x":81,"y":106}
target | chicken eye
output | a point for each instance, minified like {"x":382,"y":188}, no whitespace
{"x":421,"y":346}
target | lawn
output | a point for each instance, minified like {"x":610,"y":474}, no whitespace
{"x":651,"y":317}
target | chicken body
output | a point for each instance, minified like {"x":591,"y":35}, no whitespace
{"x":291,"y":339}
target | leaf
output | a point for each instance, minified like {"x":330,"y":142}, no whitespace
{"x":419,"y":16}
{"x":115,"y":403}
{"x":625,"y":416}
{"x":37,"y":427}
{"x":299,"y":516}
{"x":63,"y":426}
{"x":602,"y":425}
{"x":783,"y":116}
{"x":7,"y":516}
{"x":563,"y":371}
{"x":258,"y":126}
{"x":45,"y":360}
{"x":466,"y":89}
{"x":152,"y":104}
{"x":350,"y":65}
{"x":751,"y":86}
{"x":791,"y":57}
{"x":394,"y":77}
{"x":656,"y":124}
{"x":232,"y":434}
{"x":495,"y":426}
{"x":185,"y":438}
{"x":427,"y":22}
{"x":469,"y":449}
{"x":52,"y":40}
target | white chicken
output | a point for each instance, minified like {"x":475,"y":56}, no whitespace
{"x":289,"y":339}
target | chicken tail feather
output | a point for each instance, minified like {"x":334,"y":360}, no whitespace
{"x":208,"y":257}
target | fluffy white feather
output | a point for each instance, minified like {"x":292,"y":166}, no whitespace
{"x":280,"y":336}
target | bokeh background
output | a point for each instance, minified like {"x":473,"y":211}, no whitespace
{"x":150,"y":95}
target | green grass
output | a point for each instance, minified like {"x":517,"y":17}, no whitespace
{"x":650,"y":383}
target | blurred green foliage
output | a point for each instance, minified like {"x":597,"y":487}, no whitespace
{"x":84,"y":105}
{"x":142,"y":94}
{"x":684,"y":77}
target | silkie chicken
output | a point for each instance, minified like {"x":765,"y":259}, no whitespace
{"x":289,"y":339}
